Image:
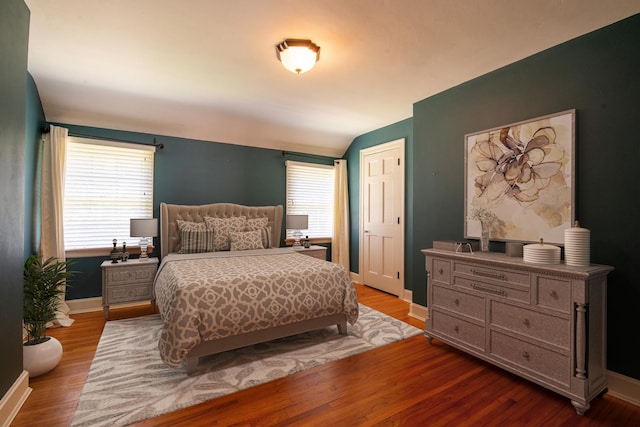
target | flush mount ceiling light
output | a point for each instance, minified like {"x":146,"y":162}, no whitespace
{"x":298,"y":55}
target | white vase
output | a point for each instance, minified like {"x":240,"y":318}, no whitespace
{"x":40,"y":358}
{"x":484,"y":239}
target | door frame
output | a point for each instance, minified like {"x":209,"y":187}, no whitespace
{"x":397,"y":143}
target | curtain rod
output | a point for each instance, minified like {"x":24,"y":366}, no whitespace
{"x":311,"y":156}
{"x":79,"y":135}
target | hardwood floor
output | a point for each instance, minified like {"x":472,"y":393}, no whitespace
{"x":408,"y":383}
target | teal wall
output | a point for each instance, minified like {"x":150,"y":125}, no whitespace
{"x":14,"y":41}
{"x":196,"y":172}
{"x":598,"y":75}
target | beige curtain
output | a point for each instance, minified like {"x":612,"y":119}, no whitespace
{"x":51,"y":205}
{"x":340,"y":241}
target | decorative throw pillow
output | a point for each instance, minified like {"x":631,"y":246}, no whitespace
{"x":262,"y":225}
{"x":245,"y":240}
{"x":222,"y":227}
{"x":195,"y":237}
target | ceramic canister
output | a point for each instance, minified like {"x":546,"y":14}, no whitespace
{"x":577,"y":246}
{"x":541,"y":253}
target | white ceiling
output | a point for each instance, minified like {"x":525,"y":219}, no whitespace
{"x":207,"y":69}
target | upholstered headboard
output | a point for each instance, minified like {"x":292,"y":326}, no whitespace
{"x":170,"y":238}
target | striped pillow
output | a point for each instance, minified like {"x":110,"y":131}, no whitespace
{"x":195,"y":237}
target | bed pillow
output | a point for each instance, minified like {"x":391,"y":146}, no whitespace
{"x":222,"y":227}
{"x":245,"y":240}
{"x":195,"y":237}
{"x":262,"y":225}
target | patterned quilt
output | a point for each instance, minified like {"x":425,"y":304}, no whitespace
{"x":203,"y":297}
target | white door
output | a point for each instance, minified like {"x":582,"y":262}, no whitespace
{"x":382,"y":217}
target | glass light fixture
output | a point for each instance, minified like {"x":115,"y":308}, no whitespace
{"x":297,"y":223}
{"x":143,"y":227}
{"x":298,"y":55}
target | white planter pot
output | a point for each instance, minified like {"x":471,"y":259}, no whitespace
{"x":41,"y":358}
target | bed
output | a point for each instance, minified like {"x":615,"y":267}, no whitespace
{"x":224,"y":282}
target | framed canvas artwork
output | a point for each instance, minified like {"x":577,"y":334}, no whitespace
{"x":520,"y":180}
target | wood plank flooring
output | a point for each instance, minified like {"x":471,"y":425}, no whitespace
{"x":408,"y":383}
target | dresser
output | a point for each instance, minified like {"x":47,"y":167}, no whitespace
{"x":128,"y":281}
{"x":545,"y":323}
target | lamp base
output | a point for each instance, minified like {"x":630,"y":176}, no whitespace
{"x":297,"y":235}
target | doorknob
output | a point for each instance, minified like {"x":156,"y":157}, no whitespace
{"x":366,"y":231}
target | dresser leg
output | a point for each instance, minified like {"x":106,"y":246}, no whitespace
{"x":428,"y":337}
{"x":581,"y":408}
{"x":106,"y":312}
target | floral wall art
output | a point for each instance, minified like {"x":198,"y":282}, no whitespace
{"x":522,"y":175}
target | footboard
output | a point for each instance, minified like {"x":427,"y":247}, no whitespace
{"x":230,"y":343}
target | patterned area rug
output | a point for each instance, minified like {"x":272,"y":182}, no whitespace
{"x":128,"y":382}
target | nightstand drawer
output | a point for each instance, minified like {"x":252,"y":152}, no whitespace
{"x":126,"y":293}
{"x":139,"y":273}
{"x":315,"y":251}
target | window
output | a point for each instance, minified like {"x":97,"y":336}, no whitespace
{"x":310,"y":192}
{"x":106,"y":184}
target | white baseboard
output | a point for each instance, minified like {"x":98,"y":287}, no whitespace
{"x":13,"y":400}
{"x":84,"y":305}
{"x":624,"y":388}
{"x":418,"y":311}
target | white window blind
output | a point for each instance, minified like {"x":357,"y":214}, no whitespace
{"x":106,"y":184}
{"x":310,"y":192}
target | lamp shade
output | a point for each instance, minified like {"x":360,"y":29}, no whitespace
{"x":297,"y":222}
{"x":298,"y":55}
{"x":143,"y":227}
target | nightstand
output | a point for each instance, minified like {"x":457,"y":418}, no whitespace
{"x":128,"y":281}
{"x":315,"y":251}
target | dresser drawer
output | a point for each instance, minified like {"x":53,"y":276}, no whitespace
{"x":466,"y":304}
{"x":550,"y":329}
{"x":514,"y":293}
{"x":126,"y":293}
{"x":122,"y":275}
{"x":441,"y":271}
{"x":481,"y":272}
{"x":538,"y":361}
{"x":458,"y":330}
{"x":553,"y":293}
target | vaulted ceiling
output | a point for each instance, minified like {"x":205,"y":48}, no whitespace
{"x":207,"y":69}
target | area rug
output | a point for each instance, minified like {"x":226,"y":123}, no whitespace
{"x":127,"y":381}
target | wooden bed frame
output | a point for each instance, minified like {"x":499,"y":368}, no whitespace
{"x":170,"y":241}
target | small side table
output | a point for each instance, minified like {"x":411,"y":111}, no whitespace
{"x":128,"y":281}
{"x":315,"y":251}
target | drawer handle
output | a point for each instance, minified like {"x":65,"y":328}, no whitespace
{"x":456,"y":329}
{"x":525,"y":355}
{"x":553,"y":294}
{"x":489,"y":274}
{"x":440,"y":271}
{"x":456,"y":301}
{"x":486,"y":289}
{"x":525,"y":322}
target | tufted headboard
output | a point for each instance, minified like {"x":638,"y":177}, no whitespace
{"x":170,"y":239}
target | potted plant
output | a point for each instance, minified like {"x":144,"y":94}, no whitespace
{"x":44,"y":283}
